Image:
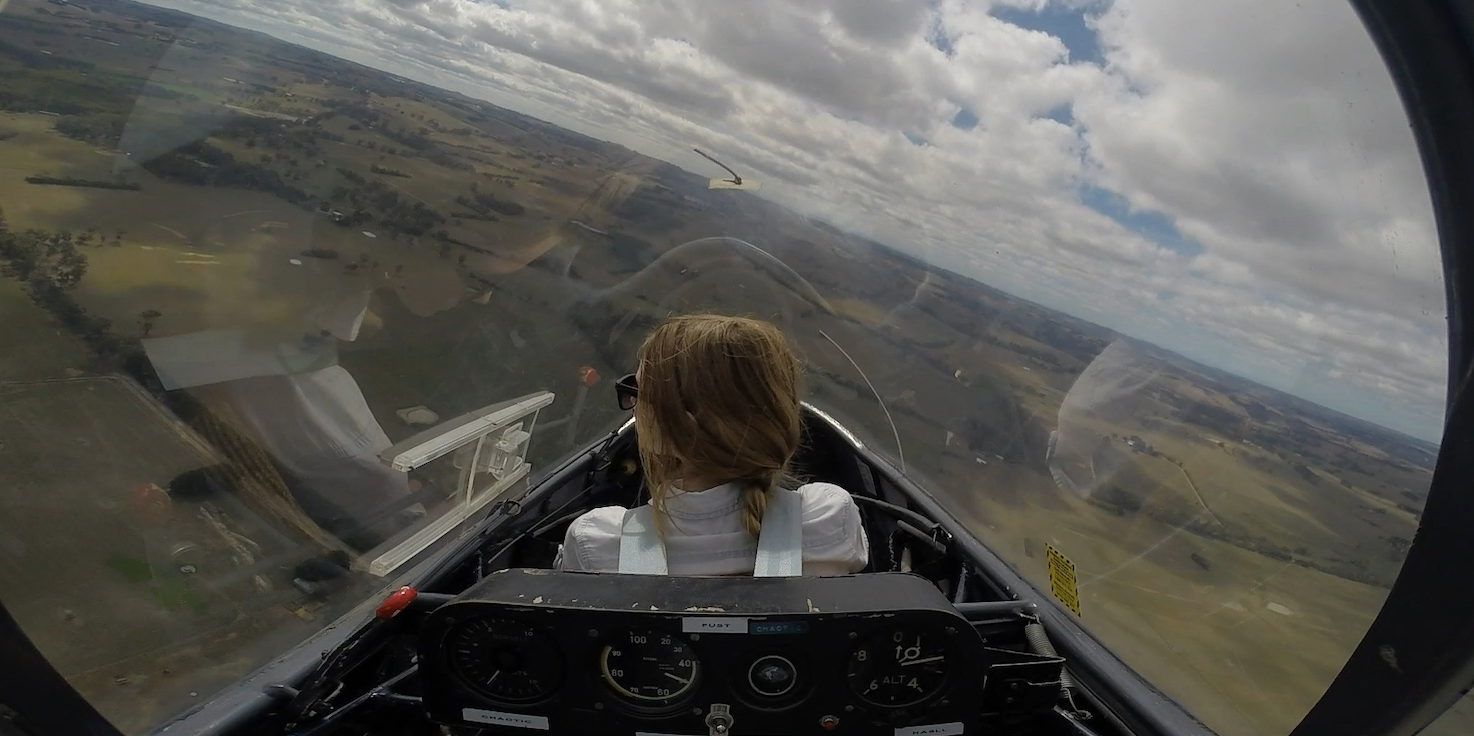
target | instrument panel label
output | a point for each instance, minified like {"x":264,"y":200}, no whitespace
{"x":495,"y":718}
{"x":778,"y":627}
{"x":1062,"y":579}
{"x":714,"y":625}
{"x":935,"y":729}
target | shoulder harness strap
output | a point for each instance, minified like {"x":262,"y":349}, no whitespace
{"x":780,"y":544}
{"x":641,"y":552}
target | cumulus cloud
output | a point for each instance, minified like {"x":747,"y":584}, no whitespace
{"x":1266,"y":136}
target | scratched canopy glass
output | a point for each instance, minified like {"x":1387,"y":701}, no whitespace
{"x":279,"y":325}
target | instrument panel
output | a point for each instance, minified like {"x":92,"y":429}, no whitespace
{"x":530,"y":650}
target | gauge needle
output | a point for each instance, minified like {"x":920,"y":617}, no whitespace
{"x":677,"y":679}
{"x":937,"y":658}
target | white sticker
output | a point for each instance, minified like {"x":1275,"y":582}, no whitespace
{"x":936,"y":729}
{"x":714,"y":625}
{"x":514,"y":720}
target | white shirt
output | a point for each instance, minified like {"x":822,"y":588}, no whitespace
{"x":704,"y":534}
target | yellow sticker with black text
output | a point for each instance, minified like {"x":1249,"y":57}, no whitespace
{"x":1062,"y":579}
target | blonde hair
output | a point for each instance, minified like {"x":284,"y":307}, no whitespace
{"x":719,"y":399}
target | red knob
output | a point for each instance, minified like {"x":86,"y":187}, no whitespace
{"x":396,"y":602}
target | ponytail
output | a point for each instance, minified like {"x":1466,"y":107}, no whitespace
{"x":754,"y":504}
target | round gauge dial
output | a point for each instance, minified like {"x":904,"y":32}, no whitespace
{"x":898,"y":668}
{"x":772,"y":676}
{"x":505,"y":660}
{"x":649,"y":668}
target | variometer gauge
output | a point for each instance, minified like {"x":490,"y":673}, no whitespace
{"x":504,"y":660}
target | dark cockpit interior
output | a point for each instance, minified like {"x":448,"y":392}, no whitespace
{"x":915,"y":644}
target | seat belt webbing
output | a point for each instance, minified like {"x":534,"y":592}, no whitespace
{"x":779,"y":546}
{"x":640,"y":550}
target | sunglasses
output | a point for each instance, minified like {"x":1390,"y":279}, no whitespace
{"x":627,"y":389}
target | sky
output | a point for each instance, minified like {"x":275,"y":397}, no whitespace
{"x":1235,"y":181}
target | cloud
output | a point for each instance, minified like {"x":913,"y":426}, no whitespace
{"x":1252,"y":193}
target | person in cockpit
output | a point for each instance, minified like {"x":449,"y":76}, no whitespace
{"x":716,"y":405}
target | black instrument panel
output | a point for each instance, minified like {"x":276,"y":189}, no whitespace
{"x":529,"y":650}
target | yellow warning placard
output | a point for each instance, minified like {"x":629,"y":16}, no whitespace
{"x":1062,"y":579}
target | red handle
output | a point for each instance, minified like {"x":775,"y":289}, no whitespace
{"x":396,"y":602}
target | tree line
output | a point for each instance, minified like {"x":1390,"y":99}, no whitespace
{"x":396,"y":214}
{"x":72,"y":181}
{"x":201,"y":164}
{"x":50,"y":266}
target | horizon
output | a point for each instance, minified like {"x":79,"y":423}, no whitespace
{"x":1400,"y":400}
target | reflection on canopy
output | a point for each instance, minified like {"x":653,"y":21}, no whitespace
{"x":1104,"y":400}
